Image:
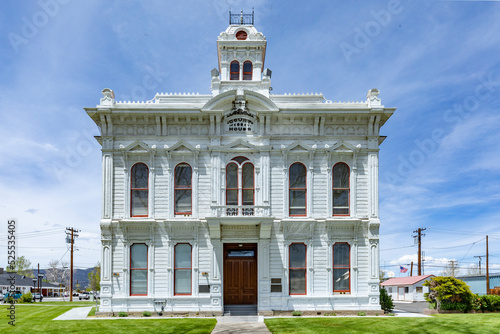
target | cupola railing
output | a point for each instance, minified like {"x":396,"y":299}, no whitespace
{"x":241,"y":19}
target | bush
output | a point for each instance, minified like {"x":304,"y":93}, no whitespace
{"x":26,"y":298}
{"x":146,"y":314}
{"x":297,"y":313}
{"x":449,"y":293}
{"x":123,"y":314}
{"x":489,"y":303}
{"x":361,"y":314}
{"x":386,"y":301}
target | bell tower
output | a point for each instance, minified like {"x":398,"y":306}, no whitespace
{"x":241,"y":51}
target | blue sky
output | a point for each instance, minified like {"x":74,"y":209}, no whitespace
{"x":436,"y":61}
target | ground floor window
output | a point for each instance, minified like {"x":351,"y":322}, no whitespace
{"x":182,"y":269}
{"x":138,"y":270}
{"x":297,"y":270}
{"x":341,"y":267}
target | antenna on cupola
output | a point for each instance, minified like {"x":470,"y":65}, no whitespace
{"x":241,"y":18}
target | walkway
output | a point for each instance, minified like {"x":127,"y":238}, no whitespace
{"x":243,"y":325}
{"x":76,"y":313}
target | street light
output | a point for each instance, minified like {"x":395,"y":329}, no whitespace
{"x":34,"y":287}
{"x":40,"y":278}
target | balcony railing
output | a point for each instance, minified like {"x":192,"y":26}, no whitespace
{"x":241,"y":211}
{"x":241,"y":19}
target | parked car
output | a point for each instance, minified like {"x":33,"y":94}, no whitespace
{"x":14,"y":294}
{"x":97,"y":295}
{"x":75,"y":294}
{"x":37,"y":295}
{"x":84,"y":295}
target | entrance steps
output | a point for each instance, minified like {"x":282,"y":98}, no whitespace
{"x":239,"y":310}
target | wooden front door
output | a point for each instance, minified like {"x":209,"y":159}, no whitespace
{"x":240,"y":274}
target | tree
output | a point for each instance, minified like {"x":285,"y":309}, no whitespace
{"x":57,"y":273}
{"x":95,"y":278}
{"x":22,"y":266}
{"x":451,"y":269}
{"x":453,"y":293}
{"x":386,"y":301}
{"x":473,"y":270}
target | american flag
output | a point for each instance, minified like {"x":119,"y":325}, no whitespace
{"x":403,"y":269}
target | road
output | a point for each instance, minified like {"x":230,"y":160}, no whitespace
{"x":415,"y":307}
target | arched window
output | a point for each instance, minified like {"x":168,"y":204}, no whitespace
{"x":241,"y":35}
{"x":247,"y":70}
{"x":183,"y":189}
{"x":341,"y":189}
{"x":139,"y":190}
{"x":240,"y":186}
{"x":138,"y":270}
{"x":235,"y":70}
{"x":297,"y":269}
{"x":341,"y":267}
{"x":297,"y":189}
{"x":182,"y":269}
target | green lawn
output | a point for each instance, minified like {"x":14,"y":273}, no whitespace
{"x":443,"y":323}
{"x":38,"y":319}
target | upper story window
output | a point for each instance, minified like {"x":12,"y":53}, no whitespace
{"x":241,"y":35}
{"x":235,"y":70}
{"x":138,"y":270}
{"x":182,"y":269}
{"x":183,"y":189}
{"x":341,"y":267}
{"x":240,"y":185}
{"x":341,"y":189}
{"x":297,"y":269}
{"x":297,"y":189}
{"x":139,"y":190}
{"x":247,"y":70}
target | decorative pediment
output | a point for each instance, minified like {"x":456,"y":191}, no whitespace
{"x":182,"y":147}
{"x":297,"y":147}
{"x":224,"y":101}
{"x":343,"y":147}
{"x":240,"y":145}
{"x":136,"y":147}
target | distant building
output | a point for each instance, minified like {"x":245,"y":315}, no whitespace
{"x":477,"y":283}
{"x":241,"y":196}
{"x":26,"y":284}
{"x":408,"y":289}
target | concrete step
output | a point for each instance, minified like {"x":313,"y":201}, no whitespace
{"x":238,"y":310}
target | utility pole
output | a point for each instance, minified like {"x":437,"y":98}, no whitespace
{"x":419,"y":235}
{"x":411,"y":270}
{"x":487,"y":269}
{"x":71,"y":239}
{"x":480,"y":256}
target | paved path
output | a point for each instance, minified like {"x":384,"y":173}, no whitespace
{"x":243,"y":325}
{"x":76,"y":313}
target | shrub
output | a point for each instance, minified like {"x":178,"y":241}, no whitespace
{"x":123,"y":314}
{"x":445,"y":291}
{"x":26,"y":298}
{"x":386,"y":301}
{"x":361,"y":314}
{"x":146,"y":314}
{"x":297,"y":313}
{"x":489,"y":303}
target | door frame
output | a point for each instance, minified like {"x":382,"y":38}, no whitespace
{"x":236,"y":245}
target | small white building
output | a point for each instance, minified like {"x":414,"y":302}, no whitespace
{"x":408,"y":289}
{"x":240,"y":197}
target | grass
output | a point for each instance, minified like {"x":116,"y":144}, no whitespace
{"x":438,"y":324}
{"x":38,"y":319}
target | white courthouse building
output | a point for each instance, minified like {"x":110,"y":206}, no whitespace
{"x":240,"y":197}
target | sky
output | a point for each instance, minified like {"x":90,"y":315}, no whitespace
{"x":437,"y":62}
